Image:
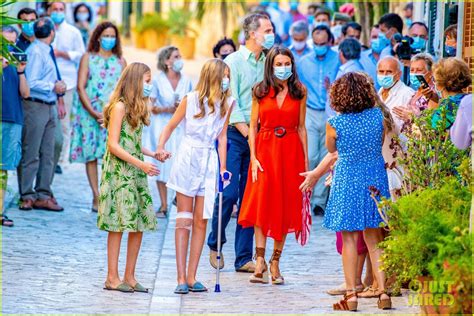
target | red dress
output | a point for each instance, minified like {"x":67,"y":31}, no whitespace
{"x":274,"y":202}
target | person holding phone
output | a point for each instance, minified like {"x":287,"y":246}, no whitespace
{"x":421,"y":80}
{"x":14,"y":88}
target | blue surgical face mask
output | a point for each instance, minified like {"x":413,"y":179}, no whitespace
{"x":311,"y":19}
{"x":268,"y":41}
{"x":320,"y":50}
{"x":178,"y":65}
{"x":318,"y":23}
{"x":282,"y":72}
{"x":408,"y":22}
{"x":293,"y":6}
{"x":147,"y":89}
{"x":58,"y":17}
{"x":385,"y":81}
{"x":28,"y":28}
{"x":225,"y":84}
{"x":82,"y":16}
{"x":376,"y":45}
{"x":108,"y":43}
{"x":419,"y":43}
{"x":450,"y":51}
{"x":414,"y":82}
{"x":384,"y":41}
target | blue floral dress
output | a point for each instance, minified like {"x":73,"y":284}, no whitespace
{"x":88,"y":138}
{"x":360,"y":165}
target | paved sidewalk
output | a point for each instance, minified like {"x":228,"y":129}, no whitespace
{"x":309,"y":271}
{"x":57,"y":262}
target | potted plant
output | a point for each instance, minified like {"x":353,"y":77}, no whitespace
{"x":151,"y":32}
{"x":182,"y":35}
{"x":429,"y":241}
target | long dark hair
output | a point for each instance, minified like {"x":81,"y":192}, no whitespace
{"x":94,"y":43}
{"x":295,"y":87}
{"x":76,"y":9}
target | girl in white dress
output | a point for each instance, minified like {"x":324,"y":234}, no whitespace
{"x":169,"y":88}
{"x":194,"y":174}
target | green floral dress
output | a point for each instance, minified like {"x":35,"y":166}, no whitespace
{"x":125,"y":203}
{"x":88,"y":138}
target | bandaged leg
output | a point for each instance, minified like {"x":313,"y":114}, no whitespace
{"x":184,"y":225}
{"x":184,"y":220}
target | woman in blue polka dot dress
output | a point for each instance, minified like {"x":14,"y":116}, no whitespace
{"x":357,"y":134}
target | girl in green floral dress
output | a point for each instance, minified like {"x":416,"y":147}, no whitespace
{"x":125,"y":203}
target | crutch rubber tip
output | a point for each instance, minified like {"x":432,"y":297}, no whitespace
{"x":217,"y":288}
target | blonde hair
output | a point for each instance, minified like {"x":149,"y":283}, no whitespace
{"x":452,"y":74}
{"x":210,"y":87}
{"x":129,"y":90}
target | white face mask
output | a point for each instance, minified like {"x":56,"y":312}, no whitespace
{"x":299,"y":45}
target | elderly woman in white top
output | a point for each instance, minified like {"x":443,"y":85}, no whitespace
{"x":169,"y":87}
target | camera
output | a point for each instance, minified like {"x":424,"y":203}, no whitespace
{"x":20,"y":57}
{"x":404,"y":50}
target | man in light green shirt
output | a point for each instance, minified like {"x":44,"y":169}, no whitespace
{"x":246,"y":69}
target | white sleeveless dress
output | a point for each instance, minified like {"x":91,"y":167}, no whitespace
{"x":195,"y":168}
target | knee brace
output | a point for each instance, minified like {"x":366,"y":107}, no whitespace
{"x":184,"y":220}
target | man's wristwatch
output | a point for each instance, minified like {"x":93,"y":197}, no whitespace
{"x":20,"y":73}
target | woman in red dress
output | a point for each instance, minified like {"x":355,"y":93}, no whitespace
{"x":272,"y":201}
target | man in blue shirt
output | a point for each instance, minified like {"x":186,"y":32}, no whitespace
{"x":369,"y":58}
{"x":389,"y":24}
{"x":349,"y":54}
{"x":40,"y":112}
{"x":299,"y":36}
{"x":14,"y":87}
{"x":316,"y":71}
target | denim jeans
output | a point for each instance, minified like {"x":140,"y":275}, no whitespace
{"x":316,"y":129}
{"x":238,"y":160}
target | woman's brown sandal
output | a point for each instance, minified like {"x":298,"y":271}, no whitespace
{"x":384,"y":303}
{"x":277,"y":279}
{"x":263,"y":276}
{"x":344,"y":304}
{"x":369,"y":292}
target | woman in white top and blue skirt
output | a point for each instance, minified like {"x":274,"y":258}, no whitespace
{"x":169,"y":88}
{"x":195,"y":170}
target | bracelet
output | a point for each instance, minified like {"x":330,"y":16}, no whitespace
{"x":20,"y":72}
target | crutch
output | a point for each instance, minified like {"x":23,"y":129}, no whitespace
{"x":226,"y":177}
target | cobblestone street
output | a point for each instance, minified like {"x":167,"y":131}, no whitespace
{"x":55,"y":263}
